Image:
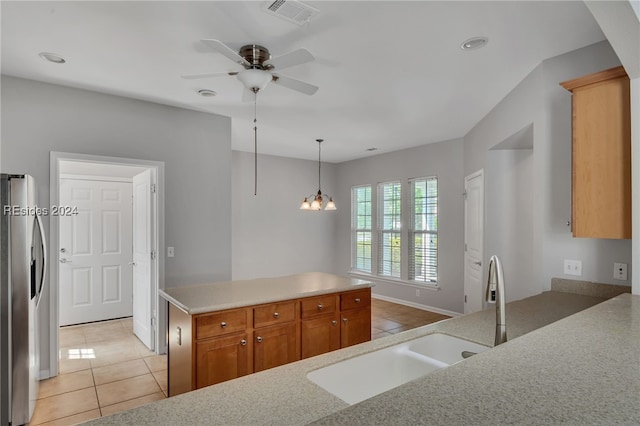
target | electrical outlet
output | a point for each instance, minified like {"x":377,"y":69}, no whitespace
{"x":170,"y":252}
{"x":620,"y":271}
{"x":417,"y":292}
{"x":573,"y":267}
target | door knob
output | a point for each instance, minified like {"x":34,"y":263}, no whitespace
{"x":477,"y":263}
{"x":63,"y":250}
{"x":63,"y":260}
{"x":132,"y":263}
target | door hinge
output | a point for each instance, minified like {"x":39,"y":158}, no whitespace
{"x":153,"y":188}
{"x":465,"y":298}
{"x":153,"y":255}
{"x":465,"y":246}
{"x":153,"y":322}
{"x":464,"y":194}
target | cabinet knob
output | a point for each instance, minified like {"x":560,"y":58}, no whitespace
{"x":357,"y":300}
{"x":259,"y":339}
{"x":243,"y":342}
{"x":344,"y":320}
{"x":320,"y":307}
{"x":276,"y":315}
{"x":223,"y":324}
{"x":334,"y":322}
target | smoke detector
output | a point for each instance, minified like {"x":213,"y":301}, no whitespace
{"x":291,"y":10}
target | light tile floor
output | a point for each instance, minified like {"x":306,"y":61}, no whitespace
{"x":104,"y":368}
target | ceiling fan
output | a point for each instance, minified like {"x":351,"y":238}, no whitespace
{"x":259,"y":67}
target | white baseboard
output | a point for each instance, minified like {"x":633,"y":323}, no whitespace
{"x":416,"y":305}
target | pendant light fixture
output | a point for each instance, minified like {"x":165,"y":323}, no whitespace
{"x":316,"y":204}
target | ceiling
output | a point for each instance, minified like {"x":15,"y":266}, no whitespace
{"x":391,"y":74}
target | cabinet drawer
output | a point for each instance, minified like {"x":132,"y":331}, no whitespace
{"x":355,"y":299}
{"x":220,"y":323}
{"x":274,"y":314}
{"x":316,"y":306}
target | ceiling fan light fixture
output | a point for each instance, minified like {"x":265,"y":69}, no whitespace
{"x":254,"y":79}
{"x":474,"y":43}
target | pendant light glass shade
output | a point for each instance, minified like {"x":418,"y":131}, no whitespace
{"x":317,"y":201}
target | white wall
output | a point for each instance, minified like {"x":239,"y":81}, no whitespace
{"x":271,"y":235}
{"x":196,"y":148}
{"x":443,"y":160}
{"x":509,"y":217}
{"x":539,"y":101}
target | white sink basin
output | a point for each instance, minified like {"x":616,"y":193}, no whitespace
{"x":364,"y":376}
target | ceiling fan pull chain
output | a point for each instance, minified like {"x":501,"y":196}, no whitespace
{"x":255,"y":142}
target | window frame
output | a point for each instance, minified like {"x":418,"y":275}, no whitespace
{"x":356,"y":230}
{"x":394,"y":230}
{"x":430,"y":230}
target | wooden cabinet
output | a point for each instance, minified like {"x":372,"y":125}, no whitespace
{"x":320,"y":330}
{"x":356,"y":317}
{"x":220,"y":359}
{"x":601,"y":155}
{"x":209,"y":348}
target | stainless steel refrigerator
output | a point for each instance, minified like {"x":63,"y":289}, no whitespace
{"x":22,"y":276}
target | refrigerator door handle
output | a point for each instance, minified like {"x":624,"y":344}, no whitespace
{"x":44,"y":259}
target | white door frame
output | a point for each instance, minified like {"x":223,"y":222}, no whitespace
{"x":54,"y":197}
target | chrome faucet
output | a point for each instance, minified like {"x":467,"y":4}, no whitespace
{"x":495,"y":294}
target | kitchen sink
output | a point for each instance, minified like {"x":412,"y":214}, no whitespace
{"x":359,"y":378}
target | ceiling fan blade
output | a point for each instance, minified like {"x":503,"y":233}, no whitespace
{"x":291,"y":59}
{"x":222,"y":48}
{"x":292,"y":83}
{"x":214,"y":74}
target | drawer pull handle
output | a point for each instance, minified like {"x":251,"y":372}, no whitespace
{"x":357,"y":300}
{"x":259,"y":339}
{"x":320,"y":307}
{"x":334,"y":322}
{"x":223,"y":324}
{"x":276,"y":315}
{"x":243,"y":342}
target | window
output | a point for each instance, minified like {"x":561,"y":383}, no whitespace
{"x":403,"y":253}
{"x":389,"y":226}
{"x":423,"y":232}
{"x":361,"y":228}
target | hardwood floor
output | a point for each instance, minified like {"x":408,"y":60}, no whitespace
{"x":104,"y":368}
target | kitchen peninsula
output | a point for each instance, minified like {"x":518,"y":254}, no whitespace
{"x":567,"y":362}
{"x":225,"y":330}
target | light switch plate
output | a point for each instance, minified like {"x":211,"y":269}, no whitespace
{"x":170,"y":252}
{"x":620,"y":271}
{"x":573,"y":267}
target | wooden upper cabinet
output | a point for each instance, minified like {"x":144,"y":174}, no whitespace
{"x":601,"y":155}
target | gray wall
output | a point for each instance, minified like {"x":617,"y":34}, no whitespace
{"x":196,"y":148}
{"x":540,"y":102}
{"x":443,"y":160}
{"x":271,"y":235}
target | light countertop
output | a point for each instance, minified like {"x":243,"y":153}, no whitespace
{"x":201,"y":298}
{"x":582,"y":369}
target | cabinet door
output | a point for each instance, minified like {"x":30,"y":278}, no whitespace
{"x":221,"y":359}
{"x":355,"y":327}
{"x":274,"y":346}
{"x":320,"y":335}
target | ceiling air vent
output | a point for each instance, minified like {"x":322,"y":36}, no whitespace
{"x":291,"y":10}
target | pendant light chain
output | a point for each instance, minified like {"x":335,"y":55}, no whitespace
{"x":319,"y":148}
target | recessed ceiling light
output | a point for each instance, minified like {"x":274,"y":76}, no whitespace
{"x":206,"y":93}
{"x":474,"y":43}
{"x":52,"y":57}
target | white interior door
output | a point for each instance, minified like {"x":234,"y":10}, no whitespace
{"x":474,"y":240}
{"x":95,"y":276}
{"x":143,"y":258}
